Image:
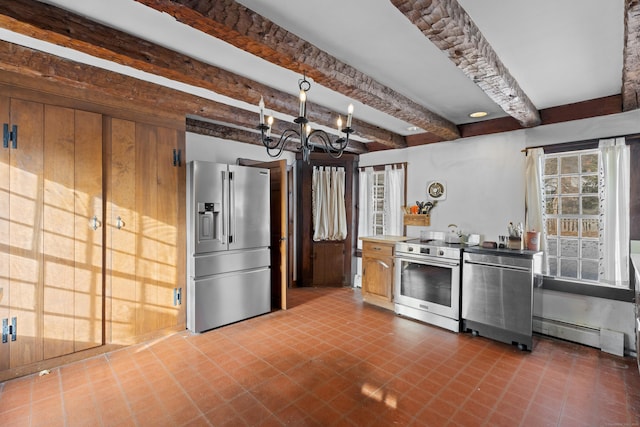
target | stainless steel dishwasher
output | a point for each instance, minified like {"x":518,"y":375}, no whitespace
{"x":497,"y":294}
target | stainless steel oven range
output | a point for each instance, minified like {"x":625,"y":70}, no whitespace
{"x":427,"y":282}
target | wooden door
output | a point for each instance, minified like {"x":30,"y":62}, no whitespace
{"x":122,"y":230}
{"x":25,"y":232}
{"x":88,"y":205}
{"x":328,"y":259}
{"x":72,"y":231}
{"x":171,"y":228}
{"x":279,"y":229}
{"x":145,"y":230}
{"x":5,"y":172}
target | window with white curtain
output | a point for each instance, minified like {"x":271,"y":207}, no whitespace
{"x":583,"y":212}
{"x":377,"y":204}
{"x":572,"y":214}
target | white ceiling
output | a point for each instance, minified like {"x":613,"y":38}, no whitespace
{"x":559,"y":51}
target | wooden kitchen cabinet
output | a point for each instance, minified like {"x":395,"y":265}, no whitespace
{"x":377,"y":272}
{"x":145,"y":230}
{"x":51,"y":259}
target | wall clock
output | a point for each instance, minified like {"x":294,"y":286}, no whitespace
{"x":436,"y":190}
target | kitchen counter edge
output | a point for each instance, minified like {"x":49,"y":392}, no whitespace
{"x":384,"y":239}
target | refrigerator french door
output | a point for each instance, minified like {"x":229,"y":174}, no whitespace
{"x":228,"y":242}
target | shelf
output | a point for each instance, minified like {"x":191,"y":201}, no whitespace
{"x":423,"y":220}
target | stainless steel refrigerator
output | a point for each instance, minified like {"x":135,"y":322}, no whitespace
{"x":228,"y":260}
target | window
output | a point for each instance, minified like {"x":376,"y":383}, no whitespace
{"x":378,"y":204}
{"x":572,"y":214}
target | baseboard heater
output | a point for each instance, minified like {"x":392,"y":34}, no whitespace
{"x":606,"y":340}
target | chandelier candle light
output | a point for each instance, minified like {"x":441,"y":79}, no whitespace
{"x":305,"y":133}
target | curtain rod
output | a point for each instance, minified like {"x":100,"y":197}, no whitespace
{"x":381,"y":167}
{"x":632,"y":138}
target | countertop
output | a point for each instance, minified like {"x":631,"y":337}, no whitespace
{"x":385,"y":239}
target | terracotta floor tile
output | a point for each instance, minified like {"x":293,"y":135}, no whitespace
{"x":331,"y":360}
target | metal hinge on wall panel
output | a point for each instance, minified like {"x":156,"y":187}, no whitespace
{"x":9,"y":329}
{"x":177,"y":296}
{"x":6,"y":135}
{"x":177,"y":157}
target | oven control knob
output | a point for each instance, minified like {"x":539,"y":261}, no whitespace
{"x":441,"y":252}
{"x":410,"y":249}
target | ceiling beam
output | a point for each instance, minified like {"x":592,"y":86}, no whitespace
{"x":233,"y":23}
{"x":448,"y":26}
{"x":631,"y":56}
{"x":55,"y":25}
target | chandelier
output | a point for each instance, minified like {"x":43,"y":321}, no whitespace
{"x":305,"y":134}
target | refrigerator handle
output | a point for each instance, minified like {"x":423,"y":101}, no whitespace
{"x":232,"y":207}
{"x":225,"y":210}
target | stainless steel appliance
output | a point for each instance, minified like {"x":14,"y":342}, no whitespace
{"x":497,"y":293}
{"x":427,"y":282}
{"x":228,"y":244}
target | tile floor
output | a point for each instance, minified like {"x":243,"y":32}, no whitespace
{"x":330,"y":360}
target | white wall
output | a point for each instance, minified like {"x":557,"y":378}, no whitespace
{"x":201,"y":147}
{"x":485,"y":191}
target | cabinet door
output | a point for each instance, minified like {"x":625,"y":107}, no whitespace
{"x":171,"y":228}
{"x":122,"y":231}
{"x":145,"y":232}
{"x":25,"y":232}
{"x":89,"y":245}
{"x":5,"y":167}
{"x":377,"y":276}
{"x":72,"y":231}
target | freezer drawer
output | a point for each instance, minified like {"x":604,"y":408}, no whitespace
{"x":230,"y":261}
{"x":228,"y":298}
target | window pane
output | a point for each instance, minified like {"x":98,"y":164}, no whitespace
{"x":553,"y":266}
{"x":569,"y":227}
{"x":569,"y":164}
{"x":570,"y":205}
{"x":551,"y":166}
{"x":569,"y":185}
{"x":590,"y":249}
{"x":589,"y":270}
{"x":589,"y":184}
{"x":551,"y":186}
{"x":569,"y":268}
{"x":568,"y":247}
{"x":590,"y":228}
{"x":590,"y":205}
{"x":552,"y":227}
{"x":589,"y":163}
{"x":551,"y":206}
{"x":552,"y":247}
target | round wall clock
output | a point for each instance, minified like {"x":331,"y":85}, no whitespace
{"x":436,"y":190}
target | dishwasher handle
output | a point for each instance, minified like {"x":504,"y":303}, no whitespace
{"x":500,"y":266}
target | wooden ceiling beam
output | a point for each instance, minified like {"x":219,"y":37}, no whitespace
{"x":55,"y":25}
{"x":631,"y":56}
{"x":233,"y":23}
{"x":450,"y":28}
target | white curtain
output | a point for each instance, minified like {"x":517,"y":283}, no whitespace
{"x":394,"y":200}
{"x":329,"y":212}
{"x":534,"y":199}
{"x":614,"y":203}
{"x":365,"y":200}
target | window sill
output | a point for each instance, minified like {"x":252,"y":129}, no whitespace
{"x":605,"y":292}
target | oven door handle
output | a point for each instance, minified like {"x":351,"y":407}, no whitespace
{"x":429,"y":262}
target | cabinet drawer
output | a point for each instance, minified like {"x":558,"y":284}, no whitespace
{"x":377,"y":249}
